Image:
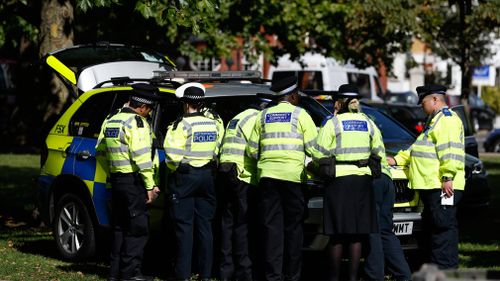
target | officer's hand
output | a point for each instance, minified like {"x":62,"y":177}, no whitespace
{"x":448,"y":188}
{"x":153,"y":194}
{"x":391,"y":161}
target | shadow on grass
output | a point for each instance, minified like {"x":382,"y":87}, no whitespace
{"x":17,"y":192}
{"x":87,"y":269}
{"x":44,"y":246}
{"x":484,"y":259}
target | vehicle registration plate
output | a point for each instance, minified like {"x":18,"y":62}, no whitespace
{"x":403,"y":228}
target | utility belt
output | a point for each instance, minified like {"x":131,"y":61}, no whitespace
{"x":131,"y":175}
{"x":326,"y":169}
{"x":185,"y":168}
{"x":360,"y":163}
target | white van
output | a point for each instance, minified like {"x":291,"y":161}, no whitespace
{"x":326,"y":74}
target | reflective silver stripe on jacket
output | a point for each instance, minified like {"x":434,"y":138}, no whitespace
{"x":242,"y":123}
{"x":121,"y":149}
{"x":278,"y":135}
{"x":233,"y":151}
{"x":378,"y":149}
{"x":235,"y":140}
{"x":429,"y":155}
{"x":145,"y":165}
{"x":253,"y":144}
{"x":336,"y":129}
{"x":188,"y":153}
{"x":349,"y":150}
{"x":119,"y":163}
{"x":424,"y":142}
{"x":141,"y":151}
{"x":310,"y":144}
{"x":295,"y":119}
{"x":122,"y":122}
{"x":450,"y":145}
{"x":294,"y":147}
{"x":452,"y":156}
{"x":321,"y":149}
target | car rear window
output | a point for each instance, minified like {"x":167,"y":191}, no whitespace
{"x":84,"y":56}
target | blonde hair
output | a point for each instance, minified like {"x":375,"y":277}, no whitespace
{"x":353,"y":105}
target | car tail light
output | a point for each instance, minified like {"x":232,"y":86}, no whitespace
{"x":419,"y":127}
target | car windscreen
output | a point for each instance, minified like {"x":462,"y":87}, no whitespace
{"x":315,"y":109}
{"x":390,"y":129}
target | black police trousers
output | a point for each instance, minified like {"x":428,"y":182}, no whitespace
{"x":281,"y":205}
{"x":236,"y":200}
{"x":130,"y":222}
{"x":440,"y":226}
{"x":384,"y":247}
{"x":192,"y":206}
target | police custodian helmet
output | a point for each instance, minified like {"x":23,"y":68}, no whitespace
{"x":347,"y":91}
{"x":285,"y":86}
{"x":426,"y":90}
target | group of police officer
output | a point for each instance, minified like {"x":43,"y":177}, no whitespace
{"x":259,"y":163}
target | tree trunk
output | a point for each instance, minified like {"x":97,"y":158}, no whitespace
{"x":56,"y":31}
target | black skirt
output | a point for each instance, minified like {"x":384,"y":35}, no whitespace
{"x":349,"y":206}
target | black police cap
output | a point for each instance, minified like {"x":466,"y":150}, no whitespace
{"x":426,"y":90}
{"x":347,"y":91}
{"x":285,"y":86}
{"x":144,"y":93}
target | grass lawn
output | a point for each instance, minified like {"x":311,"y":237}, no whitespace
{"x":29,"y":253}
{"x":480,"y":229}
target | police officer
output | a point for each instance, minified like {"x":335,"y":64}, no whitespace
{"x":384,"y":247}
{"x":436,"y":168}
{"x":281,"y":138}
{"x":191,"y":145}
{"x":237,"y":179}
{"x":352,"y":139}
{"x":124,"y":146}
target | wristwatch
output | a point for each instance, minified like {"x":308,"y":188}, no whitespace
{"x":445,"y":179}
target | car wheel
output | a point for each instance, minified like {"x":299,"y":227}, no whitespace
{"x":73,"y":229}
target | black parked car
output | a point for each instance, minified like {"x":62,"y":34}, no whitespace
{"x":492,"y":142}
{"x":482,"y":116}
{"x":410,"y":115}
{"x":401,"y":97}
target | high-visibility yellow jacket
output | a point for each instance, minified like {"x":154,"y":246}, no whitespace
{"x":281,"y":138}
{"x":349,"y":137}
{"x":237,"y":134}
{"x":209,"y":113}
{"x":124,"y":145}
{"x":194,"y":140}
{"x":438,"y":152}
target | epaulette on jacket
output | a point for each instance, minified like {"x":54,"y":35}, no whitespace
{"x":140,"y":123}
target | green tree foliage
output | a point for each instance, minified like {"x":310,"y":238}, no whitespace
{"x":491,"y":96}
{"x":460,"y":30}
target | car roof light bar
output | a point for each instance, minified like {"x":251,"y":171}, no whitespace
{"x":209,"y":75}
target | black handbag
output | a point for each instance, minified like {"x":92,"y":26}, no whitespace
{"x":326,"y":168}
{"x":374,"y":162}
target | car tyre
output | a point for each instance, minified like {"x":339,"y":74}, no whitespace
{"x":73,"y":230}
